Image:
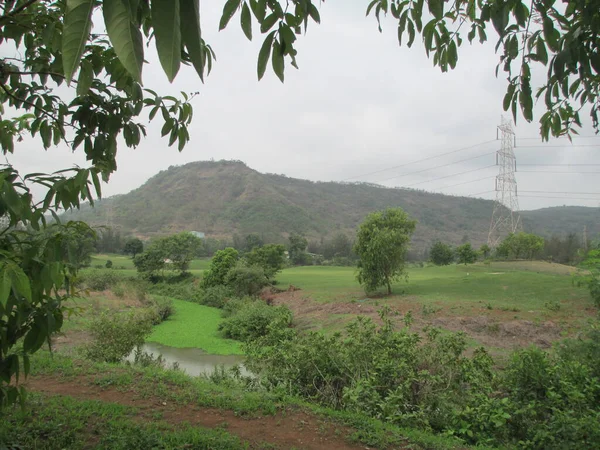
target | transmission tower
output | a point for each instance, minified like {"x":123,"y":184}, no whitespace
{"x":505,"y":217}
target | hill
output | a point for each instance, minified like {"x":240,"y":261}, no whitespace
{"x":227,"y":197}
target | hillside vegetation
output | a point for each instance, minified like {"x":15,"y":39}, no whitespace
{"x":227,"y":197}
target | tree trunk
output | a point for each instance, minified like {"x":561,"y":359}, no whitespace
{"x":389,"y":286}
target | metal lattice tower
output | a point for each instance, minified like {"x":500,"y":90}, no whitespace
{"x":505,"y":218}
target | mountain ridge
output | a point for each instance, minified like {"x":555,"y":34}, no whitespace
{"x":223,"y":198}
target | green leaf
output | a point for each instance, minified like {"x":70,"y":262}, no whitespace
{"x":246,"y":21}
{"x":76,"y":31}
{"x":86,"y":76}
{"x":229,"y":10}
{"x":313,"y":12}
{"x":510,"y":92}
{"x":124,"y":36}
{"x":277,"y":60}
{"x":264,"y":53}
{"x":191,"y":34}
{"x":20,"y":282}
{"x":167,"y":31}
{"x":436,"y":8}
{"x":540,"y":49}
{"x":268,"y":23}
{"x":5,"y":285}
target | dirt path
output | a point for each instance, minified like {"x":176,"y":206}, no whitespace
{"x":291,"y":429}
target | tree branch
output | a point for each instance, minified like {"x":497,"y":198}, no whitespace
{"x":16,"y":11}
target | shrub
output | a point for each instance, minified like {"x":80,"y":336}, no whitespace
{"x":184,"y":290}
{"x":215,"y":296}
{"x":255,"y":319}
{"x":119,"y":290}
{"x":374,"y":370}
{"x":246,"y":280}
{"x":108,"y":264}
{"x":115,"y":336}
{"x":162,"y":308}
{"x":222,"y":262}
{"x":99,"y":279}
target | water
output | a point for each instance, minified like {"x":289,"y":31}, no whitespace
{"x":193,"y":360}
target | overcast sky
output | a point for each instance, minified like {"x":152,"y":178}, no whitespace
{"x":359,"y":104}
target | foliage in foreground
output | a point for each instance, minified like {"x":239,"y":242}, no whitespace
{"x":540,"y":401}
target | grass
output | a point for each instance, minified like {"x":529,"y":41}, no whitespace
{"x":194,"y":326}
{"x":124,"y":263}
{"x":64,"y":422}
{"x":67,"y":423}
{"x":500,"y":284}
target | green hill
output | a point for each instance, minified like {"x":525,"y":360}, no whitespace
{"x":226,"y":197}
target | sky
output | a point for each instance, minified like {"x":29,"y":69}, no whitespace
{"x":360,"y":108}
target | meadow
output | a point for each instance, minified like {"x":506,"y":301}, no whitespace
{"x":194,"y":326}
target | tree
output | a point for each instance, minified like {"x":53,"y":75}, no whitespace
{"x":339,"y":246}
{"x":297,"y":248}
{"x":520,"y":245}
{"x":151,"y":263}
{"x":220,"y":265}
{"x":485,"y":251}
{"x":180,"y":249}
{"x":79,"y":244}
{"x":271,"y":258}
{"x":252,"y":241}
{"x":441,"y":254}
{"x":133,"y":246}
{"x":381,"y":244}
{"x":466,"y":254}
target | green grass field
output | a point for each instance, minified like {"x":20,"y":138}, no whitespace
{"x":125,"y":263}
{"x":194,"y":326}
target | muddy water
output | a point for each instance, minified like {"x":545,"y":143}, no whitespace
{"x":193,"y":360}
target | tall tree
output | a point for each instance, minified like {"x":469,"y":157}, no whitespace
{"x":297,"y":248}
{"x":133,"y":246}
{"x":441,"y":254}
{"x":465,"y":254}
{"x":381,"y":244}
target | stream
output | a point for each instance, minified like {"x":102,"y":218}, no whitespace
{"x":193,"y":361}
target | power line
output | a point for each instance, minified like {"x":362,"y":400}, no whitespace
{"x":436,"y":167}
{"x":449,"y":176}
{"x":558,"y":146}
{"x":575,"y":193}
{"x":553,"y":171}
{"x":560,"y":137}
{"x":421,"y":160}
{"x":471,"y":181}
{"x":561,"y":165}
{"x":562,"y":198}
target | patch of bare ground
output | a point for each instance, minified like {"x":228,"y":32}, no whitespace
{"x":488,"y":330}
{"x":291,"y":428}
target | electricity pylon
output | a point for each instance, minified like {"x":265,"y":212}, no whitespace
{"x":505,"y":217}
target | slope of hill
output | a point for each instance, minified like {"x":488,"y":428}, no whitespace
{"x":226,"y":197}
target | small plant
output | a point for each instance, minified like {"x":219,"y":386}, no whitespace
{"x":108,"y":264}
{"x":553,"y":305}
{"x":255,"y":319}
{"x":115,"y":336}
{"x":119,"y":290}
{"x":428,"y":310}
{"x":489,"y":306}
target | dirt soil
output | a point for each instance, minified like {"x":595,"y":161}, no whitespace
{"x":495,"y":329}
{"x":292,"y":428}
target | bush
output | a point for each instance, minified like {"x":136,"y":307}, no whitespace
{"x":215,"y":296}
{"x":184,"y":290}
{"x":220,"y":265}
{"x":115,"y":336}
{"x":99,"y":279}
{"x":246,"y":280}
{"x":255,"y":319}
{"x":162,"y":309}
{"x":108,"y":264}
{"x":374,"y":370}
